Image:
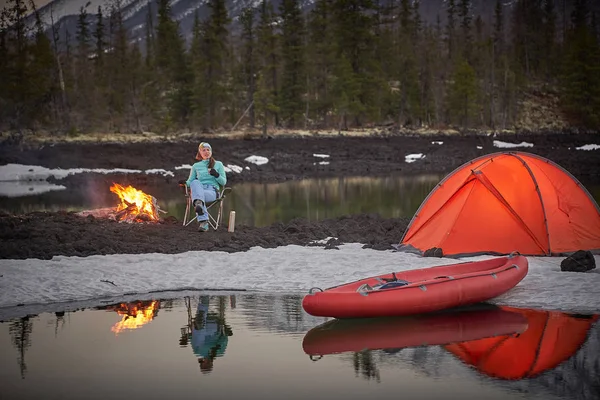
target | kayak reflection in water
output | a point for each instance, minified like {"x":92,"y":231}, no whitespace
{"x":207,"y":332}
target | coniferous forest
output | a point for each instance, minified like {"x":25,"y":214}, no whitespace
{"x":339,"y":65}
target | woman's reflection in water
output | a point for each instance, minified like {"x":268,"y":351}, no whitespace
{"x":207,"y":331}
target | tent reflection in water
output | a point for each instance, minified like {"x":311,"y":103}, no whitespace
{"x":551,"y":338}
{"x":500,"y":342}
{"x":505,"y":202}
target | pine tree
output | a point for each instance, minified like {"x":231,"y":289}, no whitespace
{"x":118,"y":69}
{"x":417,"y":23}
{"x":61,"y":107}
{"x":4,"y":70}
{"x":136,"y":82}
{"x":482,"y":56}
{"x":292,"y":57}
{"x":432,"y":85}
{"x":385,"y":58}
{"x":405,"y":17}
{"x":152,"y":108}
{"x":321,"y":55}
{"x":462,"y":94}
{"x":354,"y":39}
{"x":216,"y":54}
{"x":466,"y":37}
{"x":83,"y":72}
{"x":346,"y":90}
{"x":198,"y":66}
{"x":581,"y":71}
{"x":498,"y":33}
{"x":17,"y":65}
{"x":451,"y":29}
{"x":167,"y":36}
{"x":249,"y":63}
{"x":264,"y":100}
{"x":528,"y":36}
{"x":437,"y":50}
{"x":549,"y":54}
{"x":99,"y":98}
{"x":595,"y":26}
{"x":150,"y":38}
{"x":408,"y":99}
{"x":41,"y":75}
{"x":99,"y":36}
{"x":268,"y":50}
{"x":172,"y":73}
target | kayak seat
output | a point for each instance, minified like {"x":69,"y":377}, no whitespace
{"x":396,"y":283}
{"x":365,"y":287}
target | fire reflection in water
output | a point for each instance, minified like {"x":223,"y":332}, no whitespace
{"x":134,"y":315}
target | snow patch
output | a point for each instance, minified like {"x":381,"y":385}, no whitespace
{"x":233,"y":168}
{"x":588,"y":147}
{"x":258,"y":160}
{"x":506,"y":145}
{"x":413,"y":157}
{"x":280,"y":270}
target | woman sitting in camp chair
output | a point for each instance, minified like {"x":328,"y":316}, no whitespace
{"x":207,"y":176}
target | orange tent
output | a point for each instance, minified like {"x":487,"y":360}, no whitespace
{"x":506,"y":202}
{"x":551,"y":338}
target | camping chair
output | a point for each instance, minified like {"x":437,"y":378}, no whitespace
{"x":214,"y":209}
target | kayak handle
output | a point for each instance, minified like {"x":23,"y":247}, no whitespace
{"x":314,"y":289}
{"x":315,"y":357}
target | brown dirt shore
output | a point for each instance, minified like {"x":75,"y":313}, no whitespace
{"x":44,"y":235}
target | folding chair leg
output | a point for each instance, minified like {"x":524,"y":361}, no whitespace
{"x":187,"y":218}
{"x":187,"y":212}
{"x":214,"y":222}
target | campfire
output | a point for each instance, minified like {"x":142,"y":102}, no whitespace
{"x":135,"y":205}
{"x":134,"y":315}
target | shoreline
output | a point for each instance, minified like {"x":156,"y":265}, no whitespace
{"x":32,"y":138}
{"x":44,"y":235}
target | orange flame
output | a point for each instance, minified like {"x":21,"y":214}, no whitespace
{"x":135,"y":315}
{"x":135,"y":202}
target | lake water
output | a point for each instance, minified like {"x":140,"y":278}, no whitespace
{"x":256,"y":346}
{"x":255,"y":204}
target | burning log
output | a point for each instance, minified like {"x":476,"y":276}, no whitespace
{"x":143,"y":218}
{"x":124,"y":212}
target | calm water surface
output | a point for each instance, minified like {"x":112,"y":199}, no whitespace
{"x":249,"y":346}
{"x":255,"y":204}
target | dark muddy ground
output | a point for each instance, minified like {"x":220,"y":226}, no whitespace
{"x":44,"y":235}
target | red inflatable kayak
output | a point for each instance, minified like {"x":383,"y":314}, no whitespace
{"x":338,"y":336}
{"x":418,"y":291}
